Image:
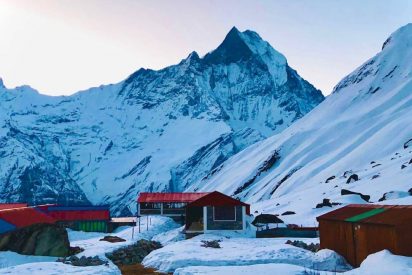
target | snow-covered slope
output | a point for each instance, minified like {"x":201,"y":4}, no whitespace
{"x":363,"y":128}
{"x":154,"y":131}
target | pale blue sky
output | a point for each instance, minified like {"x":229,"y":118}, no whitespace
{"x":62,"y":46}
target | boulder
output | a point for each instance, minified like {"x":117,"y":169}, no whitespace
{"x":327,"y":203}
{"x":311,"y":247}
{"x":394,"y":195}
{"x":347,"y":174}
{"x":288,"y":213}
{"x":353,"y":178}
{"x":211,"y":244}
{"x":407,"y":144}
{"x":38,"y":239}
{"x":329,"y":179}
{"x":348,"y":192}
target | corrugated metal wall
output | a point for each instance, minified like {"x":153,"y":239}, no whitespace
{"x":91,"y":226}
{"x":338,"y":236}
{"x":371,"y":238}
{"x":404,"y":239}
{"x":355,"y":241}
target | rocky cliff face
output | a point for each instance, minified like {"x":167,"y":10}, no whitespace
{"x":155,"y":131}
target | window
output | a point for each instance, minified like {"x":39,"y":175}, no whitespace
{"x":224,"y":213}
{"x":150,"y":205}
{"x":174,"y":205}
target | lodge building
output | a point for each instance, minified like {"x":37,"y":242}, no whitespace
{"x":201,"y":212}
{"x":88,"y":218}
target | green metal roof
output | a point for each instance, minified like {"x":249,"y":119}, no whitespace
{"x":365,"y":215}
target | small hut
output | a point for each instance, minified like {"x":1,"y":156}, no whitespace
{"x":355,"y":231}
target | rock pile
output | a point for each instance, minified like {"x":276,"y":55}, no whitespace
{"x":82,"y":261}
{"x":211,"y":244}
{"x":311,"y":247}
{"x":112,"y":239}
{"x":134,"y":253}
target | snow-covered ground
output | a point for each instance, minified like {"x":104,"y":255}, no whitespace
{"x":239,"y":251}
{"x":92,"y":246}
{"x":261,"y":269}
{"x":239,"y":254}
{"x":13,"y":263}
{"x":53,"y":268}
{"x":381,"y":263}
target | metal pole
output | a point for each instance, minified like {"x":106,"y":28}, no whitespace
{"x":139,"y":224}
{"x":147,"y":223}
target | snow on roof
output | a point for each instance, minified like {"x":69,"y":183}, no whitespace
{"x":123,"y":219}
{"x":169,"y":197}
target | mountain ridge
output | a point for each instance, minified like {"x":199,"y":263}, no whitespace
{"x":157,"y":130}
{"x":362,"y":128}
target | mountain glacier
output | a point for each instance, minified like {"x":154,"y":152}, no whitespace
{"x":354,"y":147}
{"x":154,"y":131}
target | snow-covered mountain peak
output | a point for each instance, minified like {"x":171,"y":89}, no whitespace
{"x":193,"y":56}
{"x":231,"y":50}
{"x":248,"y":45}
{"x":157,"y":130}
{"x":192,"y":59}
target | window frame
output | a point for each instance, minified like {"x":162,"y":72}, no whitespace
{"x":214,"y":218}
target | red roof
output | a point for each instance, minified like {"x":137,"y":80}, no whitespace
{"x":392,"y":214}
{"x":12,"y":205}
{"x":76,"y":213}
{"x":219,"y":199}
{"x":169,"y":197}
{"x":80,"y":215}
{"x":348,"y":211}
{"x":25,"y":216}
